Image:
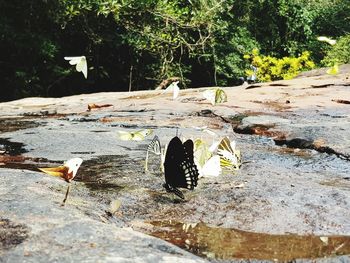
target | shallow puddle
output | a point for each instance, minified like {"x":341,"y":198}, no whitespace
{"x":226,"y":243}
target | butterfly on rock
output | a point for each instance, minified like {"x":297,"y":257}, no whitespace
{"x":67,"y":172}
{"x":215,"y":95}
{"x":179,"y":167}
{"x":155,"y":148}
{"x":230,"y":157}
{"x":134,"y":135}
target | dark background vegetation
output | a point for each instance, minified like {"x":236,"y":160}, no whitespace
{"x":142,"y":42}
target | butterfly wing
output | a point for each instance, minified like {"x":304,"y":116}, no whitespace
{"x":140,"y":135}
{"x":173,"y":158}
{"x":179,"y":168}
{"x":82,"y":66}
{"x":212,"y":167}
{"x":176,"y":90}
{"x":80,"y":62}
{"x":73,"y":60}
{"x":154,"y":146}
{"x":214,"y":146}
{"x":173,"y":87}
{"x":229,"y":156}
{"x":220,"y":96}
{"x":125,"y":136}
{"x":327,"y":40}
{"x":225,"y":144}
{"x":209,"y":94}
{"x":189,"y":168}
{"x":201,"y":152}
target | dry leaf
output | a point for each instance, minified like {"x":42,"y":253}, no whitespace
{"x":95,"y":106}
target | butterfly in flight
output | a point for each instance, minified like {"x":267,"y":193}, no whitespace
{"x":134,"y":136}
{"x":229,"y":156}
{"x":155,"y":148}
{"x":327,"y":40}
{"x":179,"y":167}
{"x":80,"y":62}
{"x":67,"y":172}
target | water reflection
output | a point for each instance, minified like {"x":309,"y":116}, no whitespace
{"x":225,"y":243}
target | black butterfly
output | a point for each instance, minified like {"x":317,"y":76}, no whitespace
{"x":179,"y":167}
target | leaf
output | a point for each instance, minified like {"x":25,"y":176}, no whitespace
{"x":95,"y":106}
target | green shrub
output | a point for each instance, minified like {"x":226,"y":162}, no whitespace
{"x":339,"y":53}
{"x":271,"y":68}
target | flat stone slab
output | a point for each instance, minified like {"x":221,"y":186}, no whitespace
{"x":294,"y":139}
{"x":43,"y":231}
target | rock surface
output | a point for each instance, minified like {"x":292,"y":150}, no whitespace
{"x":294,"y":138}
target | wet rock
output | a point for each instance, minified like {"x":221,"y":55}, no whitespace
{"x":293,"y":178}
{"x":38,"y":229}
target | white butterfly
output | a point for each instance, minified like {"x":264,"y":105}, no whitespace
{"x":134,"y":136}
{"x":327,"y":40}
{"x":80,"y":62}
{"x":207,"y":164}
{"x":174,"y":88}
{"x":205,"y":129}
{"x":215,"y":95}
{"x":211,"y":167}
{"x":214,"y":146}
{"x":67,"y":171}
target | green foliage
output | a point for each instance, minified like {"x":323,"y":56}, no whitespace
{"x":339,"y":53}
{"x":271,"y":68}
{"x":142,"y":42}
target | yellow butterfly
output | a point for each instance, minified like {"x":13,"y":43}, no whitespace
{"x":229,"y":157}
{"x":333,"y":70}
{"x":201,"y":152}
{"x":80,"y":62}
{"x":215,"y":95}
{"x":134,"y":136}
